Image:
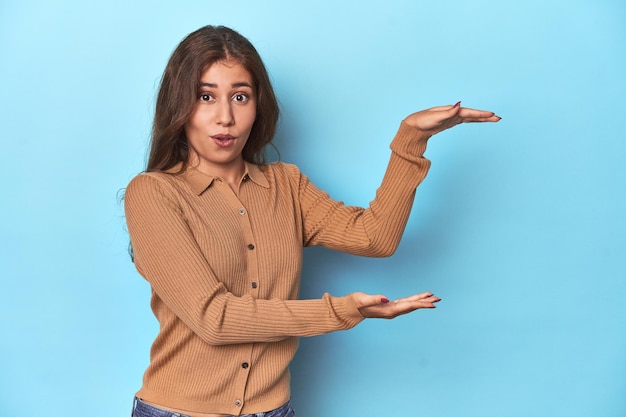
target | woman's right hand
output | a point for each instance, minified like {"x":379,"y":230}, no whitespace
{"x":378,"y":306}
{"x":438,"y":119}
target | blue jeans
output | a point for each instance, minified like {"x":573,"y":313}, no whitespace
{"x":141,"y":409}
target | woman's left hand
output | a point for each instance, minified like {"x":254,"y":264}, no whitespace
{"x":378,"y":306}
{"x":437,"y":119}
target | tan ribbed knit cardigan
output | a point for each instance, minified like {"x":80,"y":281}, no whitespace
{"x":225,"y":269}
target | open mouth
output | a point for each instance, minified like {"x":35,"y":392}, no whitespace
{"x":224,"y":140}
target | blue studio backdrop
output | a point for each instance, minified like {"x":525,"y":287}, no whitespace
{"x":519,"y":226}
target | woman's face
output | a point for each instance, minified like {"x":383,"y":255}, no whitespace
{"x":222,"y":119}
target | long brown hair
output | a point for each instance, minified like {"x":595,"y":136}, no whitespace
{"x":179,"y":89}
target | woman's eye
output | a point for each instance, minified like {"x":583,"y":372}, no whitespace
{"x":205,"y":97}
{"x":240,"y":98}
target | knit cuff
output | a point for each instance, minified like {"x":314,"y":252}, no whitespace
{"x":345,"y":308}
{"x":409,"y":143}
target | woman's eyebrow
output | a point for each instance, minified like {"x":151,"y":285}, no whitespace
{"x":239,"y":84}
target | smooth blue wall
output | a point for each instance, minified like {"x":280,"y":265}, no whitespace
{"x":519,"y":227}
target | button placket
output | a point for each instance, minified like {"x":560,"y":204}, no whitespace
{"x":245,"y":221}
{"x":242,"y":220}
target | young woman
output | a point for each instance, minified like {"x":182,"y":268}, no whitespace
{"x":218,"y":234}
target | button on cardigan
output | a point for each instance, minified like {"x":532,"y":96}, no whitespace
{"x":225,"y":268}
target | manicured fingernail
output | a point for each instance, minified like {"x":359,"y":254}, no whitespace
{"x":458,"y":103}
{"x":384,"y":300}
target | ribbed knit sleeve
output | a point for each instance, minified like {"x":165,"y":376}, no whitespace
{"x":168,"y":256}
{"x":373,"y":231}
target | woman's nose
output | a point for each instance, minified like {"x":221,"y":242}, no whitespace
{"x":225,"y":114}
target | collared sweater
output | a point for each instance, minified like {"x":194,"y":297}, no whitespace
{"x":225,"y":266}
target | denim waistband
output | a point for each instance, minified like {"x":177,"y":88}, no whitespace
{"x":142,"y":409}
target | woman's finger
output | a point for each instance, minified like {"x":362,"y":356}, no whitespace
{"x":483,"y":119}
{"x":416,"y":297}
{"x":467,"y":113}
{"x":442,"y":108}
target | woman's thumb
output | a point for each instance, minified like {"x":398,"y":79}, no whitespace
{"x":366,"y":300}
